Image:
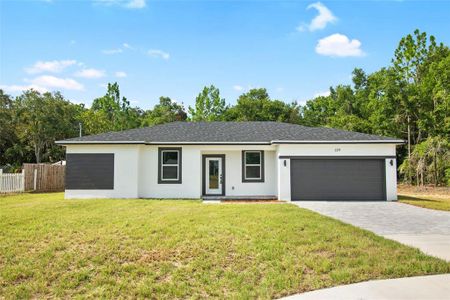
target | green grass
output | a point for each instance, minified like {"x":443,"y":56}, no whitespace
{"x":50,"y":247}
{"x":427,"y":202}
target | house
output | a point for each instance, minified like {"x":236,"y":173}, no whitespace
{"x":252,"y":160}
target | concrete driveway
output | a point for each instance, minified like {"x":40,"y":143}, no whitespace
{"x":426,"y":229}
{"x":433,"y":287}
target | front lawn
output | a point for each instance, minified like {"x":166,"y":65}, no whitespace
{"x":425,"y":196}
{"x":50,"y":247}
{"x":426,"y":202}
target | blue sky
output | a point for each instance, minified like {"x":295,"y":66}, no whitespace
{"x":295,"y":49}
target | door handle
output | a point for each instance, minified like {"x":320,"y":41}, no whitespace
{"x":221,"y":178}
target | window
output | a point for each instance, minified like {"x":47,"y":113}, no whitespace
{"x":252,"y":166}
{"x":90,"y":171}
{"x":169,"y":162}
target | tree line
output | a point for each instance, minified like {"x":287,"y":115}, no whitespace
{"x":408,"y":99}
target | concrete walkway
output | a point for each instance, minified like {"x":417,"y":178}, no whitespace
{"x":426,"y":229}
{"x":421,"y":287}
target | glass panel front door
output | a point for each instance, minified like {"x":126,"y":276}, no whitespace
{"x":213,"y":175}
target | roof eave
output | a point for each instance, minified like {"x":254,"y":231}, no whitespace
{"x":208,"y":143}
{"x":97,"y":142}
{"x":396,"y":142}
{"x":157,"y":143}
{"x":274,"y":142}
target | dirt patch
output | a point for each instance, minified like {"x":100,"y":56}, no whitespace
{"x":440,"y":192}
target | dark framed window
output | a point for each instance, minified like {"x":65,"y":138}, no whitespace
{"x":169,"y":165}
{"x":252,"y":166}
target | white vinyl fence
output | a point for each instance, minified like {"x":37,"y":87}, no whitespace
{"x":11,"y":182}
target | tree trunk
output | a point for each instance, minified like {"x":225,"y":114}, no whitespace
{"x":409,"y":148}
{"x":37,"y":151}
{"x":417,"y":177}
{"x":409,"y":140}
{"x":435,"y":170}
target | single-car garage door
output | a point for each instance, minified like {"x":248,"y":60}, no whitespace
{"x":338,"y":179}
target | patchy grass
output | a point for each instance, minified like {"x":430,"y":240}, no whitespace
{"x":51,"y":247}
{"x":426,"y":202}
{"x":425,"y":196}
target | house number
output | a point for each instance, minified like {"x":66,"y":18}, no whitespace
{"x":337,"y":149}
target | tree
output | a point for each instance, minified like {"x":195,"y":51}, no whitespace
{"x":434,"y":91}
{"x":344,"y":108}
{"x":409,"y":99}
{"x":429,"y":161}
{"x":8,"y":137}
{"x":94,"y":122}
{"x":409,"y":57}
{"x":44,"y":118}
{"x":256,"y":105}
{"x":420,"y":64}
{"x":117,"y":110}
{"x":164,"y":112}
{"x":209,"y":106}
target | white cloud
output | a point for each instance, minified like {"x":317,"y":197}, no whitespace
{"x":118,"y":50}
{"x":279,"y":89}
{"x":136,"y":4}
{"x":158,"y":53}
{"x":20,"y":88}
{"x":132,"y":4}
{"x":249,"y":87}
{"x":320,"y":21}
{"x":120,"y":74}
{"x":112,"y":51}
{"x":90,"y":73}
{"x":48,"y":81}
{"x":339,"y":45}
{"x":322,"y":94}
{"x":54,"y":66}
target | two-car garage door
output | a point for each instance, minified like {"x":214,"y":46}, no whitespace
{"x":338,"y":179}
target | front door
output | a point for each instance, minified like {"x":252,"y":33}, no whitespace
{"x":213,"y":175}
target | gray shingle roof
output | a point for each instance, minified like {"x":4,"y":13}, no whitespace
{"x":229,"y":132}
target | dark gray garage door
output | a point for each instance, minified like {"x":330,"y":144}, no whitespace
{"x":338,"y":179}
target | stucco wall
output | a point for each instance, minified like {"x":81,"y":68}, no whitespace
{"x":284,"y":179}
{"x":233,"y":174}
{"x":379,"y":150}
{"x":191,"y":186}
{"x":136,"y":169}
{"x":337,"y":149}
{"x":391,"y":179}
{"x":126,"y":166}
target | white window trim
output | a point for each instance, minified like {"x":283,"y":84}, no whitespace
{"x":253,"y":165}
{"x":170,"y":165}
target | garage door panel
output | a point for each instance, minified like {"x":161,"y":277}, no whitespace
{"x":337,"y":179}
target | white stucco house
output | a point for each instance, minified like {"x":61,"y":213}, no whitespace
{"x":238,"y":160}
